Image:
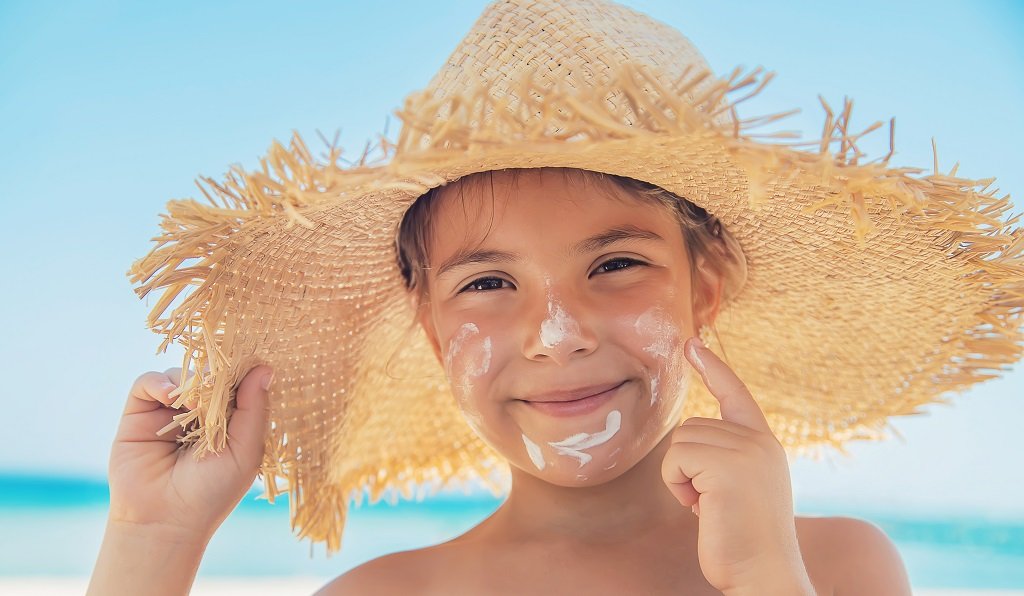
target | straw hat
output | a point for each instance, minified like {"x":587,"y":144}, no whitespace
{"x":872,"y":290}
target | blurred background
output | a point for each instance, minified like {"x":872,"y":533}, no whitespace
{"x":109,"y":109}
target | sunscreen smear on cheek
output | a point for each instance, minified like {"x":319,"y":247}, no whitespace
{"x":455,"y":346}
{"x":658,"y":330}
{"x":661,"y":335}
{"x":467,"y":358}
{"x":654,"y":387}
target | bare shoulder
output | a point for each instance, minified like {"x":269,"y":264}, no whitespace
{"x":857,"y":555}
{"x":395,"y":573}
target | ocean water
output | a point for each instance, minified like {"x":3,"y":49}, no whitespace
{"x":53,"y":527}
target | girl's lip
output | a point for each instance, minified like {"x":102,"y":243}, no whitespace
{"x":575,"y":407}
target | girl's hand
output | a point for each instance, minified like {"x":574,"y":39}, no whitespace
{"x":734,"y":474}
{"x":155,"y":484}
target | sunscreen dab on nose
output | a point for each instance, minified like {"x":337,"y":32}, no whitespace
{"x":558,"y":325}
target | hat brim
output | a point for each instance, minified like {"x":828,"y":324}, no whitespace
{"x":871,"y":292}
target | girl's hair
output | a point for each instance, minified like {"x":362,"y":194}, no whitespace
{"x":703,"y":233}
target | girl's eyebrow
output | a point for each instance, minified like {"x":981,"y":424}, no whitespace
{"x":596,"y":242}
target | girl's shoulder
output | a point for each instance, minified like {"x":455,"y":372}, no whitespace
{"x":842,"y":548}
{"x":404,"y":572}
{"x":835,"y":550}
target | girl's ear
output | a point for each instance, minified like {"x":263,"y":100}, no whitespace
{"x":423,"y":319}
{"x":707,"y":295}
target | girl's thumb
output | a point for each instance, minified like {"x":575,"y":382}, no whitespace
{"x":247,"y":427}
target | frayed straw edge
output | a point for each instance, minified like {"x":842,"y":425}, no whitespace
{"x":964,"y":208}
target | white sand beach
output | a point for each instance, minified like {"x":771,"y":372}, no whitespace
{"x":273,"y":586}
{"x":286,"y":586}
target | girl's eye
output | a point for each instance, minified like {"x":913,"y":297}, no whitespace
{"x":484,"y":284}
{"x":487,"y":284}
{"x":619,"y":263}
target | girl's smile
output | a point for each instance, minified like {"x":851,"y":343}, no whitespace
{"x":559,"y":312}
{"x":572,"y":402}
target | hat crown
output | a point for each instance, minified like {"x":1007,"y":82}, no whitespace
{"x":579,"y":44}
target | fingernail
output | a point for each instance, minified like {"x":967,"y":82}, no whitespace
{"x":266,"y":380}
{"x":696,"y":355}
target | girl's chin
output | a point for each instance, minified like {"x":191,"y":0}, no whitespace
{"x":564,"y":470}
{"x":578,"y":478}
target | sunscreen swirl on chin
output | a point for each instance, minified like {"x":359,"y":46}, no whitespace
{"x":576,"y":444}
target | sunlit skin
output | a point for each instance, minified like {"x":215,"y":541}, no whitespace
{"x":553,"y":312}
{"x":540,"y":217}
{"x":604,"y":501}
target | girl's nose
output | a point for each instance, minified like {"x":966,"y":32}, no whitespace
{"x":564,"y":333}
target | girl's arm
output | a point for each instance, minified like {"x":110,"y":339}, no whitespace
{"x":142,"y":560}
{"x":165,"y":505}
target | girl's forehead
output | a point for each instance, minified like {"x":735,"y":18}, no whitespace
{"x":565,"y":182}
{"x":545,"y":214}
{"x":536,"y":197}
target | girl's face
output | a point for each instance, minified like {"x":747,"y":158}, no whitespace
{"x":551,"y":288}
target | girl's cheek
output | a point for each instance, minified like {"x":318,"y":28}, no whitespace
{"x":467,"y":359}
{"x":658,"y":337}
{"x":674,"y":378}
{"x":656,"y":341}
{"x":661,"y":350}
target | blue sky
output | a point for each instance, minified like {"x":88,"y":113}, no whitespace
{"x":112,"y":108}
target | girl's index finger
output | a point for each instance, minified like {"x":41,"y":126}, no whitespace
{"x":734,"y":399}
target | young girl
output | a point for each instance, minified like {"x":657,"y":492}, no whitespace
{"x":559,"y":302}
{"x":516,"y":297}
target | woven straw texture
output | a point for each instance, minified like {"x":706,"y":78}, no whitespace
{"x":872,"y":290}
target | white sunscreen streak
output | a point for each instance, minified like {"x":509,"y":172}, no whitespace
{"x":455,"y":345}
{"x":558,"y":324}
{"x":654,"y":388}
{"x":478,"y":366}
{"x":660,"y":331}
{"x":574,"y":445}
{"x":470,"y":370}
{"x":485,"y":363}
{"x":533,"y":450}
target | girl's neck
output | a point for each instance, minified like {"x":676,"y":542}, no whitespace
{"x":632,"y":505}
